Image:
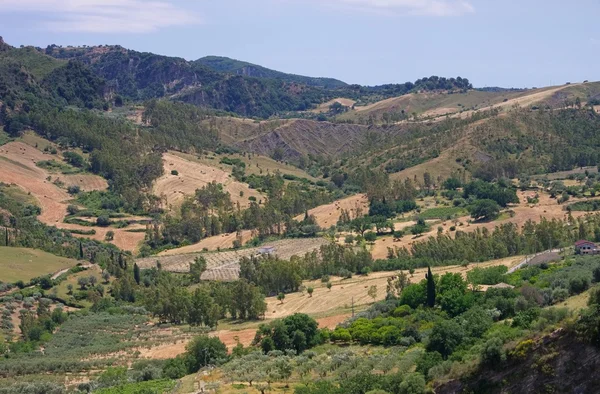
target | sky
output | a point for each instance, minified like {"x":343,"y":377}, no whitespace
{"x":508,"y":43}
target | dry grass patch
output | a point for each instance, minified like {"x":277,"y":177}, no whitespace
{"x":192,"y":175}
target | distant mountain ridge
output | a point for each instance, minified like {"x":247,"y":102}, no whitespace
{"x":238,"y":67}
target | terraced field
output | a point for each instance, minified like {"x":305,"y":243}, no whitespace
{"x":224,"y":266}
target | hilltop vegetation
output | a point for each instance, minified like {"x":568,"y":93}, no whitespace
{"x":225,"y":64}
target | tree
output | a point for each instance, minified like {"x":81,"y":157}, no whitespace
{"x":83,"y":282}
{"x":281,"y":297}
{"x":484,"y":209}
{"x":70,"y":289}
{"x":329,"y":285}
{"x":197,"y":268}
{"x":446,"y":336}
{"x":310,"y":291}
{"x":105,"y":276}
{"x":361,"y":225}
{"x":372,"y":292}
{"x":203,"y":351}
{"x":136,"y":273}
{"x":80,"y":250}
{"x":430,"y":288}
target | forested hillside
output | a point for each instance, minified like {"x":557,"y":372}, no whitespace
{"x":219,"y":85}
{"x":225,"y":64}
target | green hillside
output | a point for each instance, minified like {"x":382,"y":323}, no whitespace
{"x":228,"y":65}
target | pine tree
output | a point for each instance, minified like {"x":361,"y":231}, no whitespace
{"x":430,"y":289}
{"x":136,"y":273}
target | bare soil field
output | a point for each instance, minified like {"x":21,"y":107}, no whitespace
{"x":193,"y":175}
{"x":222,"y":241}
{"x":328,"y":215}
{"x":87,"y":182}
{"x":225,"y":265}
{"x":345,"y":291}
{"x":17,"y":166}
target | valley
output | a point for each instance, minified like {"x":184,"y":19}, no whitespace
{"x":212,"y":225}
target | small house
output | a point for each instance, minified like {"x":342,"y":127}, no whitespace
{"x":586,"y":247}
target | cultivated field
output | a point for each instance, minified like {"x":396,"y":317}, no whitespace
{"x":345,"y":291}
{"x":225,"y":265}
{"x":18,"y":166}
{"x":328,"y":215}
{"x":25,"y":264}
{"x":210,"y":244}
{"x":193,"y":175}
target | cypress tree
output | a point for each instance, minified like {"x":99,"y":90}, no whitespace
{"x":430,"y":289}
{"x":80,"y":250}
{"x":6,"y":233}
{"x":136,"y":273}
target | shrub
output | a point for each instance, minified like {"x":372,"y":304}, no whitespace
{"x":492,"y":354}
{"x":578,"y":285}
{"x":413,"y":383}
{"x":103,"y":221}
{"x":73,"y":189}
{"x":370,"y":236}
{"x":174,"y":172}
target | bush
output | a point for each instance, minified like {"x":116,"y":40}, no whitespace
{"x":492,"y":353}
{"x":174,"y":172}
{"x":413,"y":383}
{"x":578,"y":285}
{"x":103,"y":221}
{"x":73,"y":189}
{"x":370,"y":236}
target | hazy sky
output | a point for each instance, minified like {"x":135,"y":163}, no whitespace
{"x":507,"y":43}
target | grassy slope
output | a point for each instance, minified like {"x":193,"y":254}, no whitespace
{"x":38,"y":64}
{"x":25,"y":264}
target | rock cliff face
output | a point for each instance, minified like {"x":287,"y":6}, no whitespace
{"x":557,"y":363}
